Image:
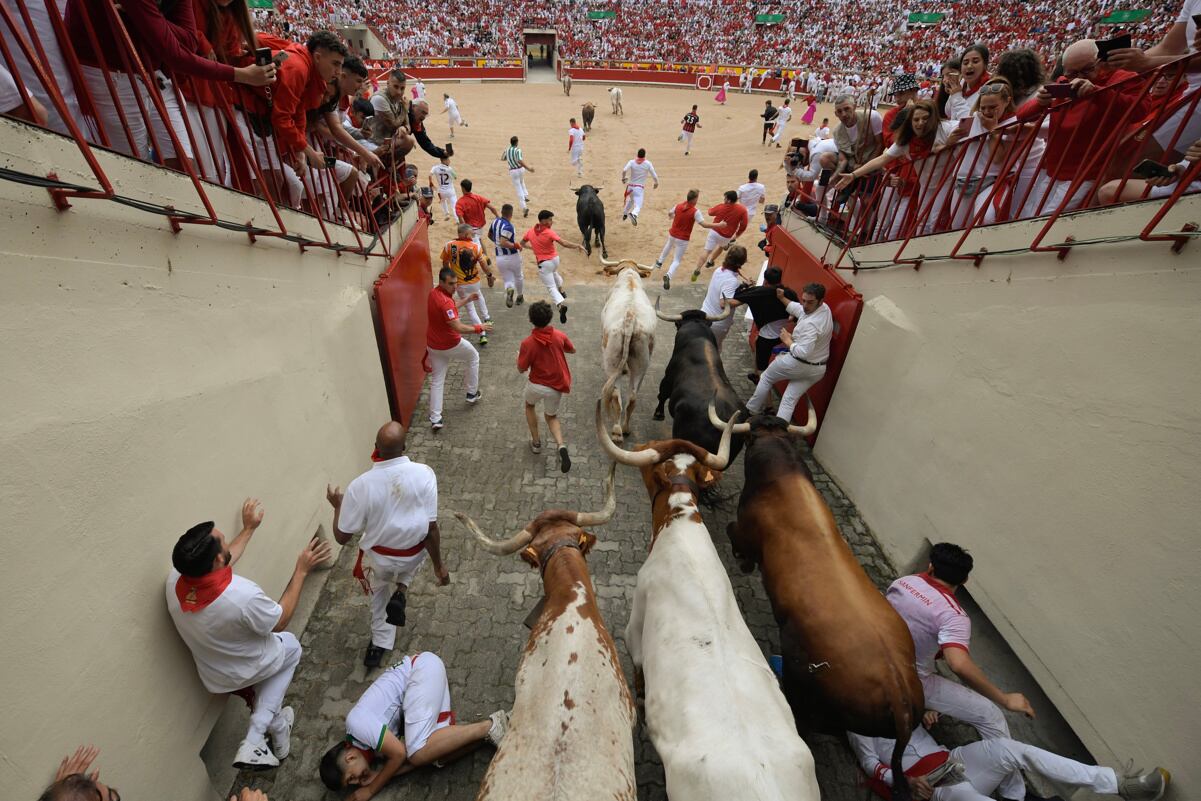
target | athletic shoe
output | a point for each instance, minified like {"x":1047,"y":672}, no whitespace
{"x":562,"y":314}
{"x":252,"y":756}
{"x":281,"y":732}
{"x":520,"y":299}
{"x":658,"y":264}
{"x":564,"y":459}
{"x":695,"y":275}
{"x":680,"y":138}
{"x":396,"y":608}
{"x":667,"y":282}
{"x":473,"y":398}
{"x":527,"y":200}
{"x":373,"y":657}
{"x":464,"y":125}
{"x":509,"y":297}
{"x":487,"y":319}
{"x":685,"y":152}
{"x":483,"y":340}
{"x":708,"y":265}
{"x":437,"y":425}
{"x":563,"y":292}
{"x":1149,"y":786}
{"x":500,"y":725}
{"x":624,"y":217}
{"x":535,"y":447}
{"x":525,"y":212}
{"x":634,"y":219}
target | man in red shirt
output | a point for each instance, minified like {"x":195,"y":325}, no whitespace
{"x":470,"y":209}
{"x":691,"y":122}
{"x":444,"y":342}
{"x":683,"y":217}
{"x":544,"y":354}
{"x":542,"y":239}
{"x":729,"y":221}
{"x":300,"y":88}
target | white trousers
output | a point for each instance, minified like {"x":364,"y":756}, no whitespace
{"x":676,"y":248}
{"x":440,"y":362}
{"x":517,"y":176}
{"x":265,"y":152}
{"x":577,"y":160}
{"x":269,"y":693}
{"x":384,"y":581}
{"x":448,"y":200}
{"x":633,"y":200}
{"x":455,"y":118}
{"x":779,"y":132}
{"x":212,"y":155}
{"x":127,"y":94}
{"x":686,"y":138}
{"x":477,"y":309}
{"x":1058,"y":190}
{"x":548,"y":272}
{"x":721,"y":329}
{"x":949,"y":697}
{"x":800,"y":378}
{"x":993,"y":764}
{"x":510,"y":271}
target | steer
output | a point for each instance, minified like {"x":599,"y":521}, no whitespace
{"x":694,"y":376}
{"x":615,"y":100}
{"x":588,"y":112}
{"x":590,"y":216}
{"x":571,"y":728}
{"x":714,"y":710}
{"x":848,"y":656}
{"x":627,"y":339}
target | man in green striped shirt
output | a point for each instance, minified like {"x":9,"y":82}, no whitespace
{"x":517,"y":170}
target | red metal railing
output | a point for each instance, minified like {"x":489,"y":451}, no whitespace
{"x":1048,"y":162}
{"x":146,"y":111}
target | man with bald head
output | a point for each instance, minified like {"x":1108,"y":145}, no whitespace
{"x":394,"y":505}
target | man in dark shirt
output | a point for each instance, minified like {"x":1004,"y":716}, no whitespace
{"x":769,"y":115}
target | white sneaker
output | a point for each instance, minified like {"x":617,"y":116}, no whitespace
{"x":500,"y":725}
{"x":255,"y":756}
{"x":281,"y":732}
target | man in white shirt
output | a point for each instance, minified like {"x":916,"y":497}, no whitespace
{"x":782,"y":118}
{"x":752,"y":193}
{"x":394,"y":505}
{"x":725,"y":282}
{"x":451,"y":109}
{"x":236,"y":633}
{"x":575,"y":146}
{"x":634,"y":176}
{"x":442,"y":178}
{"x":808,"y":349}
{"x":823,"y":130}
{"x":419,"y":89}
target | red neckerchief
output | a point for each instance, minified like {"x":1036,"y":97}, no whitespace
{"x":375,"y":457}
{"x":195,"y":594}
{"x":967,"y":91}
{"x":639,"y":159}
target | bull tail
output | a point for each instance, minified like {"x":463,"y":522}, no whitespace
{"x":902,"y":716}
{"x":607,"y":391}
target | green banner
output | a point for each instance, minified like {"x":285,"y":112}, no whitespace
{"x":261,"y":3}
{"x":602,"y":14}
{"x":1123,"y":17}
{"x":769,"y":19}
{"x":925,"y":19}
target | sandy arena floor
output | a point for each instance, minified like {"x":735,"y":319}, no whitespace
{"x":725,"y":148}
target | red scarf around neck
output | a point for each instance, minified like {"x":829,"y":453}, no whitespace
{"x":195,"y":594}
{"x":968,"y":91}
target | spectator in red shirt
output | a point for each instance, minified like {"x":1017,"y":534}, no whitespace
{"x":470,"y":209}
{"x":303,"y":79}
{"x":444,"y":343}
{"x":544,"y":355}
{"x":729,"y":221}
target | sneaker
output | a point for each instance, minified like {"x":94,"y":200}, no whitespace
{"x":1149,"y":786}
{"x":525,"y":212}
{"x":483,"y":340}
{"x":473,"y":397}
{"x":685,"y":152}
{"x":564,"y":459}
{"x":624,"y":217}
{"x":562,"y":314}
{"x":487,"y":319}
{"x":520,"y":299}
{"x":708,"y":265}
{"x":396,"y":608}
{"x":667,"y":282}
{"x":373,"y":657}
{"x":563,"y":291}
{"x":535,"y":447}
{"x":437,"y":425}
{"x":281,"y":732}
{"x":500,"y":725}
{"x":252,"y":756}
{"x":658,"y":264}
{"x":634,"y":219}
{"x":695,"y":275}
{"x":509,"y":293}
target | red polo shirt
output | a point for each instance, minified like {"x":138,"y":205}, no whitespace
{"x":542,"y":240}
{"x":439,"y":333}
{"x":298,"y":90}
{"x":730,"y":218}
{"x":470,"y":209}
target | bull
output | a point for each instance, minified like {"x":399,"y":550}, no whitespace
{"x":567,"y":84}
{"x":590,"y":216}
{"x":572,"y":724}
{"x":695,"y":375}
{"x":588,"y":112}
{"x":615,"y":100}
{"x":714,"y":709}
{"x":627,"y":339}
{"x":848,"y":657}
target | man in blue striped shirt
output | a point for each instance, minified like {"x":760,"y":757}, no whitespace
{"x":517,"y":170}
{"x":508,"y":253}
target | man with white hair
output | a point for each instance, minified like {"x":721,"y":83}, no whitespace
{"x":634,"y":176}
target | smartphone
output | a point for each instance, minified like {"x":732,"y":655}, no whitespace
{"x":262,"y":56}
{"x":330,"y":162}
{"x":1105,"y":46}
{"x":427,"y":192}
{"x":1149,"y":168}
{"x":1060,"y":91}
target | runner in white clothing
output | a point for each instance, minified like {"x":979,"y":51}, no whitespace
{"x":634,"y":176}
{"x":418,"y":90}
{"x":401,"y":722}
{"x":451,"y":109}
{"x":725,"y":282}
{"x":515,"y":161}
{"x":442,"y":180}
{"x":394,"y":505}
{"x":752,"y":193}
{"x":575,"y":146}
{"x":803,"y":363}
{"x":782,"y":119}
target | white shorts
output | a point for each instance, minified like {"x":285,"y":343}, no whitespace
{"x":540,"y":392}
{"x":715,"y":240}
{"x":426,"y":701}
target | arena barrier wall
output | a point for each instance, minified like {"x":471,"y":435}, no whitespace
{"x":659,"y":77}
{"x":802,"y":267}
{"x":399,"y":309}
{"x":378,"y":73}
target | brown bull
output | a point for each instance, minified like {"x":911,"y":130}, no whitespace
{"x":848,"y":657}
{"x":588,"y":112}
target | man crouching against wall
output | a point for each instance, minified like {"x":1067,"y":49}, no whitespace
{"x":236,"y":633}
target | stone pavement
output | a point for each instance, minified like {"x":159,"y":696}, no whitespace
{"x":486,"y":470}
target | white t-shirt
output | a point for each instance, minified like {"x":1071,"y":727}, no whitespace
{"x":452,"y":107}
{"x":749,"y":195}
{"x":945,"y":128}
{"x":231,"y":639}
{"x":822,"y":133}
{"x":392,"y":505}
{"x":444,"y":178}
{"x":819,"y":146}
{"x":639,"y":172}
{"x":784,"y":116}
{"x":812,"y":333}
{"x":935,"y":619}
{"x":419,"y":87}
{"x":576,"y":135}
{"x":380,"y":708}
{"x":722,"y":285}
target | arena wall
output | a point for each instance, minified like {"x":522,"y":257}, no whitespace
{"x":1044,"y":414}
{"x":151,"y":381}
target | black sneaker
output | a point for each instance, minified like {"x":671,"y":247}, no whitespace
{"x":564,"y":459}
{"x":562,"y":314}
{"x":520,"y":299}
{"x":563,"y":292}
{"x":396,"y":608}
{"x":634,"y":219}
{"x":373,"y":657}
{"x":667,"y":282}
{"x":525,"y":212}
{"x":509,"y":297}
{"x":474,"y":397}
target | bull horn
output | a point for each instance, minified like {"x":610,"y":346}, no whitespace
{"x":739,"y":428}
{"x":583,"y":519}
{"x":719,"y":460}
{"x":810,"y":424}
{"x":726,"y":312}
{"x":643,"y":458}
{"x":669,"y":318}
{"x":499,"y":547}
{"x":643,"y":270}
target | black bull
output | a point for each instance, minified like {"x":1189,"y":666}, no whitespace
{"x":694,"y":378}
{"x":590,"y":215}
{"x":589,"y":112}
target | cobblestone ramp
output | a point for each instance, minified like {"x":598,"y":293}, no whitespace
{"x":486,"y":470}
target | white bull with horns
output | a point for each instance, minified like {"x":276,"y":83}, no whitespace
{"x":627,"y":340}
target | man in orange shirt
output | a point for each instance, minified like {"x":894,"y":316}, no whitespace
{"x":470,"y":209}
{"x":467,"y":259}
{"x":729,"y":221}
{"x":542,"y":239}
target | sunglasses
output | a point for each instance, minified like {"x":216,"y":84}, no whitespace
{"x":994,"y":89}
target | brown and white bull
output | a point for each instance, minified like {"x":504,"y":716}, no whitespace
{"x":627,"y":340}
{"x":714,"y":709}
{"x":570,"y":734}
{"x":848,"y":657}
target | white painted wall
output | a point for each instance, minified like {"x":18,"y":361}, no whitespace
{"x":1046,"y":415}
{"x":150,"y":381}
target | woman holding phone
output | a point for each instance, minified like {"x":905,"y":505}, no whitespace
{"x":972,"y":74}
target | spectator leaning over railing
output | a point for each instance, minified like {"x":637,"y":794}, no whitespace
{"x":984,"y":173}
{"x":14,"y":104}
{"x":859,"y":139}
{"x":964,"y":83}
{"x":1116,"y":192}
{"x":303,"y":79}
{"x":41,"y":33}
{"x":347,"y":88}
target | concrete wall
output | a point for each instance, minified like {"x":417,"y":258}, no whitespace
{"x":151,"y":381}
{"x":1045,"y":415}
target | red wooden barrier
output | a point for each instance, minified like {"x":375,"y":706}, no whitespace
{"x":399,"y":308}
{"x":457,"y":73}
{"x":664,"y":77}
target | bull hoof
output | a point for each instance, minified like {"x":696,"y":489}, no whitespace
{"x":658,"y":415}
